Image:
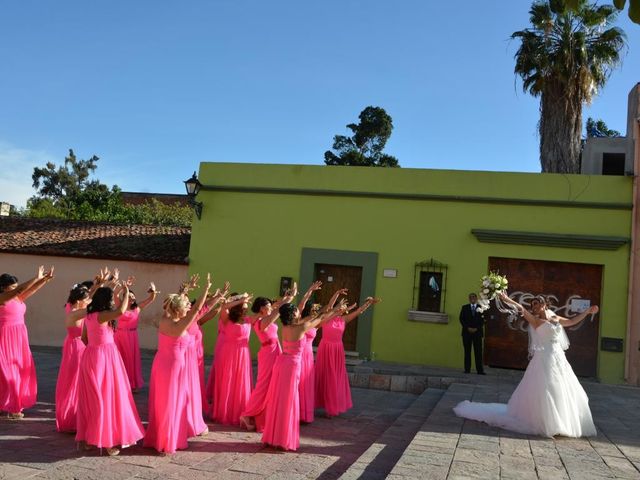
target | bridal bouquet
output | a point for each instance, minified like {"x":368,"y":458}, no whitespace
{"x":491,"y":286}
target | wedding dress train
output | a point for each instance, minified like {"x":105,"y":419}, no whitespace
{"x":548,"y":401}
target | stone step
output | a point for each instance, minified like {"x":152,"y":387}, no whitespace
{"x":433,"y":446}
{"x":380,"y":458}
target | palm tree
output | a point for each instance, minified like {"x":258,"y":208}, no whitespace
{"x":565,"y":58}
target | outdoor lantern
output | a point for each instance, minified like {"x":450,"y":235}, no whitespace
{"x":193,"y":187}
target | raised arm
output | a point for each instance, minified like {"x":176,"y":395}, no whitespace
{"x":359,"y":311}
{"x":209,"y":315}
{"x":153,"y":293}
{"x":323,"y":316}
{"x":9,"y":294}
{"x":37,"y":285}
{"x":178,"y":328}
{"x":315,"y":286}
{"x":334,"y":298}
{"x":569,"y":322}
{"x":524,"y":313}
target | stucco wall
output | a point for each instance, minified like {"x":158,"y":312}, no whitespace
{"x":45,"y":309}
{"x":252,"y":236}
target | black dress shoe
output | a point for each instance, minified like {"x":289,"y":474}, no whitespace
{"x":481,"y":373}
{"x":466,"y":372}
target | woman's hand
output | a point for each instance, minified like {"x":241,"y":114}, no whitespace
{"x":49,"y":274}
{"x":152,"y":288}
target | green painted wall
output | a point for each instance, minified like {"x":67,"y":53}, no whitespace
{"x":253,"y":239}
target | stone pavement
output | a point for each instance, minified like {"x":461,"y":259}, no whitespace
{"x":386,"y":435}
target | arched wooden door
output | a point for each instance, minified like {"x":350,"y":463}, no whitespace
{"x":568,"y":285}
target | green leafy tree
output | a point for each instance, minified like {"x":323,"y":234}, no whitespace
{"x":597,"y":128}
{"x":365,"y":147}
{"x":67,"y":192}
{"x":564,"y":58}
{"x":633,"y":12}
{"x":69,"y":185}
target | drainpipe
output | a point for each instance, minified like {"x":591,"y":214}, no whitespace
{"x":632,"y":358}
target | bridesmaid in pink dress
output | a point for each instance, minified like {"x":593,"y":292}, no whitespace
{"x":266,"y":329}
{"x":233,"y":378}
{"x":207,"y":312}
{"x":72,"y":350}
{"x":282,"y":417}
{"x":126,"y":335}
{"x":18,"y":384}
{"x":333,"y":392}
{"x":209,"y":389}
{"x":264,"y":326}
{"x":107,"y":415}
{"x":171,"y":420}
{"x":307,"y":387}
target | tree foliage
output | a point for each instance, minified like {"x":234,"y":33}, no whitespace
{"x":68,"y":192}
{"x":597,"y":128}
{"x":633,"y":11}
{"x":365,"y":147}
{"x":565,"y":58}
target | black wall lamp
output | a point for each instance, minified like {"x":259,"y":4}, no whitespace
{"x":193,"y":186}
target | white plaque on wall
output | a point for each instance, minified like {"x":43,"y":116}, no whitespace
{"x":390,"y":273}
{"x":579,"y":305}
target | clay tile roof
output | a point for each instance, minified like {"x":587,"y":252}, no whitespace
{"x":142,"y":243}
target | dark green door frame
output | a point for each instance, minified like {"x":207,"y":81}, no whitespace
{"x":369,"y":263}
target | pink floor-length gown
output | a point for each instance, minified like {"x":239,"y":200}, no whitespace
{"x":232,"y":387}
{"x":196,"y":331}
{"x":67,"y":383}
{"x":307,"y":378}
{"x":269,"y":352}
{"x":192,"y":382}
{"x":211,"y":380}
{"x":168,"y":427}
{"x":126,"y":338}
{"x":282,"y":420}
{"x":107,"y":415}
{"x":333,"y":392}
{"x":18,"y":383}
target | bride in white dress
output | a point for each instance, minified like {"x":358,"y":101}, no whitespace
{"x":549,"y":400}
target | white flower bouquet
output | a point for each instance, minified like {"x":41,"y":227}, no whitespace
{"x":491,"y":285}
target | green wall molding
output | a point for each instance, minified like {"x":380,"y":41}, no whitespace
{"x":419,"y":196}
{"x":369,"y":263}
{"x":550,"y":239}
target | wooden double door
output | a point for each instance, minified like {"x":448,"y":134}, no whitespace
{"x":567,"y":284}
{"x":333,"y":278}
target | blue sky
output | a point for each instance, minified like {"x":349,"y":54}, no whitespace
{"x":155,"y":88}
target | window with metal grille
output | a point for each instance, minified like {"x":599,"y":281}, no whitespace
{"x":429,"y":286}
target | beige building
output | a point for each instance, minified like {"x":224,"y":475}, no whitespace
{"x":78,"y":250}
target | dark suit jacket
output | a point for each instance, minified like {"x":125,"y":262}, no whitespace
{"x":468,"y":319}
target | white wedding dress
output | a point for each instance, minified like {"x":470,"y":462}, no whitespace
{"x":548,"y":401}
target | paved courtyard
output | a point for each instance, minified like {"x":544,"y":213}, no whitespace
{"x":385,"y":435}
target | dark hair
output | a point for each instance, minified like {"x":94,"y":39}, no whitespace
{"x":7,"y":279}
{"x":237,"y":312}
{"x":540,"y":299}
{"x":287,"y":313}
{"x":133,"y":304}
{"x":77,"y":293}
{"x":260,"y":302}
{"x":102,"y":300}
{"x":87,"y":283}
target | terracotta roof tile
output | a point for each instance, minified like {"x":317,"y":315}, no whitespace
{"x":143,"y":243}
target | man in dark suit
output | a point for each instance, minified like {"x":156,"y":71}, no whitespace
{"x":472,"y":325}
